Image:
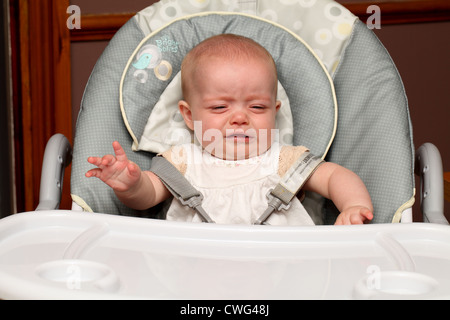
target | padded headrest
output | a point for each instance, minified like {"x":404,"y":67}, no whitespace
{"x":150,"y":89}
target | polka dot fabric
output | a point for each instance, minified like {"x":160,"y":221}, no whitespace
{"x":324,"y":24}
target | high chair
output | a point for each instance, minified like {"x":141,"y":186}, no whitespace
{"x":342,"y":97}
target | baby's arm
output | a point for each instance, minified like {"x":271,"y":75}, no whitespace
{"x":345,"y":189}
{"x":137,"y":189}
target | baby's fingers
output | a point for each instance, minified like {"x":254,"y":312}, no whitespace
{"x":107,"y":161}
{"x":368,"y":214}
{"x":94,"y":173}
{"x":356,"y":219}
{"x":134,"y":170}
{"x":119,"y":152}
{"x":342,"y":220}
{"x":103,"y":162}
{"x":96,"y":161}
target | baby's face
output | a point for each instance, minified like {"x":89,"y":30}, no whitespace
{"x":232,"y":107}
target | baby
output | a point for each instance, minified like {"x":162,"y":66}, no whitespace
{"x":229,"y":88}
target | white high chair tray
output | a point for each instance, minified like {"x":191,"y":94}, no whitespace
{"x":70,"y":255}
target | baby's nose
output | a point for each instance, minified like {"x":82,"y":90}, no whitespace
{"x":239,"y":117}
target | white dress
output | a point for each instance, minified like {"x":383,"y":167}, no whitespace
{"x":235,"y":192}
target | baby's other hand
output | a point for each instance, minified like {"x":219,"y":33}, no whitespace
{"x":354,"y":215}
{"x":116,"y":171}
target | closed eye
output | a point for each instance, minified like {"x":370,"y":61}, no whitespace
{"x":258,"y":108}
{"x":218,"y":108}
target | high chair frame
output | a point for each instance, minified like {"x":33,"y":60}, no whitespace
{"x":73,"y":254}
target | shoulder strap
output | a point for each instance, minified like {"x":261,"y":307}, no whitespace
{"x":178,"y":185}
{"x":291,"y":183}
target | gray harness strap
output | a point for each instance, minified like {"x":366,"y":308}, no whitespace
{"x":292,"y":181}
{"x":279,"y":198}
{"x":180,"y":188}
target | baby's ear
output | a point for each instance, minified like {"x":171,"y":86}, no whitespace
{"x":185,"y":111}
{"x":278,"y":105}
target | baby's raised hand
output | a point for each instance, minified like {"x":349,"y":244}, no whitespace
{"x":116,"y":171}
{"x":354,"y":215}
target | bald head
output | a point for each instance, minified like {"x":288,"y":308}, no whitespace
{"x":226,"y":47}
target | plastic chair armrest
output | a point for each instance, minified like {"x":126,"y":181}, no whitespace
{"x":57,"y":156}
{"x":429,"y":169}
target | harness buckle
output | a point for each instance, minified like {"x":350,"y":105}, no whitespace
{"x":192,"y":202}
{"x":276,"y":202}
